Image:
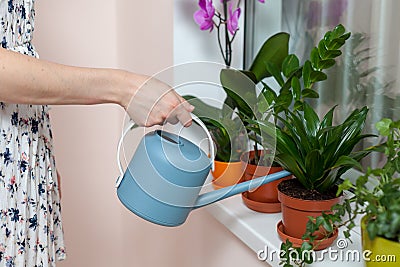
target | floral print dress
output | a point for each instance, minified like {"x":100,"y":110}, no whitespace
{"x":30,"y":221}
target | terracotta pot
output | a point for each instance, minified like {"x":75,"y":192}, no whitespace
{"x":226,"y":174}
{"x":388,"y":251}
{"x":265,"y":197}
{"x":295,"y":212}
{"x":297,"y":242}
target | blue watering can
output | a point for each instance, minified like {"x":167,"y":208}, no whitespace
{"x":166,"y":173}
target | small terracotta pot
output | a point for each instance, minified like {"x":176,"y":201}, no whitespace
{"x":265,"y":197}
{"x":379,"y":246}
{"x":226,"y":174}
{"x":295,"y":213}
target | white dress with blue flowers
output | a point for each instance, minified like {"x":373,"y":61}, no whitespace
{"x":30,"y":221}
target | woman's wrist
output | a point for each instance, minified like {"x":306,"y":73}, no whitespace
{"x":123,"y":86}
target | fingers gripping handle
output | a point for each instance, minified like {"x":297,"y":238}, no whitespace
{"x":131,"y":125}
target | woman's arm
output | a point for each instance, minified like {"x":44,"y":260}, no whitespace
{"x":27,"y":80}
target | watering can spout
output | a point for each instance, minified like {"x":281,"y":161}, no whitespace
{"x":214,"y":196}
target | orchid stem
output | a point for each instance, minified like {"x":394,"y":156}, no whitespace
{"x":228,"y":48}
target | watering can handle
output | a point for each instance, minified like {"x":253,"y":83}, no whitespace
{"x":131,"y":125}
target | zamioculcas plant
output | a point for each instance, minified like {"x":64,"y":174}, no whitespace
{"x":296,"y":82}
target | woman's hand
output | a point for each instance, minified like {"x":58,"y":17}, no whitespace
{"x":154,"y":102}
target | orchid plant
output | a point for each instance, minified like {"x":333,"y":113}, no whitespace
{"x":208,"y":17}
{"x":226,"y":123}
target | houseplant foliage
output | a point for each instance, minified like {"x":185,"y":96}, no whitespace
{"x":314,"y":150}
{"x":376,"y":196}
{"x":318,"y":152}
{"x":296,"y":82}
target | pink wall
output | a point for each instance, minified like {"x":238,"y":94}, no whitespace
{"x":134,"y":35}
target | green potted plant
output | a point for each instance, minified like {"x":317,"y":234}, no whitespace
{"x":226,"y":123}
{"x":375,"y":197}
{"x":315,"y":151}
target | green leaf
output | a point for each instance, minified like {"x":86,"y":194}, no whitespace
{"x":298,"y":105}
{"x":263,"y":103}
{"x":338,"y":31}
{"x":290,"y":65}
{"x":326,"y":64}
{"x":327,"y":120}
{"x":332,"y":54}
{"x":241,"y":89}
{"x":274,"y":50}
{"x":317,"y":76}
{"x":328,"y":36}
{"x":269,"y":93}
{"x":346,"y":36}
{"x":383,"y":126}
{"x":336,"y":44}
{"x":274,"y":70}
{"x":315,"y":59}
{"x":311,"y":120}
{"x":284,"y":99}
{"x":309,"y":93}
{"x":306,"y":74}
{"x":251,"y":75}
{"x":228,"y":107}
{"x":313,"y":165}
{"x":346,"y":185}
{"x":346,"y":161}
{"x":327,"y":224}
{"x":289,"y":163}
{"x":305,"y":256}
{"x":322,"y":49}
{"x":296,"y":88}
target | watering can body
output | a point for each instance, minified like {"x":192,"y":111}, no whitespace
{"x":163,"y":180}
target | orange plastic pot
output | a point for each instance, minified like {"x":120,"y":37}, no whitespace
{"x":226,"y":174}
{"x":265,"y":197}
{"x":295,"y":212}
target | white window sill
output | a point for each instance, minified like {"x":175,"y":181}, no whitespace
{"x":258,"y":231}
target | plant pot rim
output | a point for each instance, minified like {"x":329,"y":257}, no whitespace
{"x":256,"y":170}
{"x":228,"y":162}
{"x":264,"y":207}
{"x":297,"y":242}
{"x":307,"y":204}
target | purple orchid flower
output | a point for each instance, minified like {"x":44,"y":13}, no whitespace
{"x":204,"y":16}
{"x":261,"y":1}
{"x":232,"y":21}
